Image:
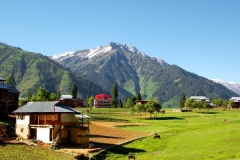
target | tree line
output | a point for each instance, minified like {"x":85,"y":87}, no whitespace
{"x":193,"y":104}
{"x":44,"y":95}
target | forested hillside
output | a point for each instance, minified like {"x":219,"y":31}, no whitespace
{"x":32,"y":70}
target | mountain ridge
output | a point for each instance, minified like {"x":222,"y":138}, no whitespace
{"x":32,"y":70}
{"x":96,"y":51}
{"x":230,"y":85}
{"x":134,"y":71}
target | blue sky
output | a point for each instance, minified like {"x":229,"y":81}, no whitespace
{"x":200,"y":36}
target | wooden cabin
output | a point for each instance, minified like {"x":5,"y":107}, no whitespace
{"x":52,"y":121}
{"x":9,"y":96}
{"x":236,"y":102}
{"x":70,"y":102}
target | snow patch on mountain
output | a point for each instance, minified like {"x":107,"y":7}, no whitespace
{"x":66,"y":54}
{"x":235,"y":87}
{"x":101,"y":50}
{"x":97,"y":50}
{"x":159,"y":60}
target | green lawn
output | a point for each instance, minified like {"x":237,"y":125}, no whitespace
{"x":195,"y":135}
{"x":184,"y":136}
{"x":26,"y":152}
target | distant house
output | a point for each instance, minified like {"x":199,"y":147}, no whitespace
{"x":102,"y":101}
{"x":52,"y":121}
{"x":200,"y":98}
{"x":236,"y":102}
{"x":70,"y":102}
{"x":141,"y":101}
{"x":9,"y":96}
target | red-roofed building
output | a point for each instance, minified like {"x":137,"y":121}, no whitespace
{"x":102,"y":101}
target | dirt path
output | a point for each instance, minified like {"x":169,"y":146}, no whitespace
{"x":106,"y":135}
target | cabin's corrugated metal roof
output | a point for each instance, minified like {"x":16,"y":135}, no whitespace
{"x":235,"y":99}
{"x":10,"y":89}
{"x":66,"y":97}
{"x":45,"y":107}
{"x":198,"y":97}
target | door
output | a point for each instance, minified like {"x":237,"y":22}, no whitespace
{"x":69,"y":136}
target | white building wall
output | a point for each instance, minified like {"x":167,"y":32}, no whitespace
{"x":22,"y":119}
{"x":22,"y":131}
{"x":22,"y":126}
{"x":43,"y":134}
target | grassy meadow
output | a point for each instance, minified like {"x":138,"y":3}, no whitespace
{"x":189,"y":135}
{"x":214,"y":134}
{"x":26,"y":152}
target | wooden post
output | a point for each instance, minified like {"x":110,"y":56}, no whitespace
{"x":38,"y":119}
{"x":45,"y":119}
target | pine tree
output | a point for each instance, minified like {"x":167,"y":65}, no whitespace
{"x":74,"y":91}
{"x":139,"y":97}
{"x":114,"y":95}
{"x":129,"y":103}
{"x":120,"y":105}
{"x":182,"y":100}
{"x":29,"y":96}
{"x":58,"y":94}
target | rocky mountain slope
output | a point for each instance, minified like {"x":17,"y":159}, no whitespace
{"x":136,"y":72}
{"x":235,"y":87}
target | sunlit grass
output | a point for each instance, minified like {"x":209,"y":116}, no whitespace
{"x":192,"y":135}
{"x":26,"y":152}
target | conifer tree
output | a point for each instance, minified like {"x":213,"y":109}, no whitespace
{"x":74,"y":91}
{"x":139,"y":96}
{"x":114,"y":95}
{"x":182,"y":100}
{"x":29,"y":96}
{"x":120,"y":105}
{"x":58,"y":94}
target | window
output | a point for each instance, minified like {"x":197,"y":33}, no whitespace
{"x":21,"y":117}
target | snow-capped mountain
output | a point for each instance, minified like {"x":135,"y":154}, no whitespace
{"x":102,"y":50}
{"x":230,"y":85}
{"x":136,"y":72}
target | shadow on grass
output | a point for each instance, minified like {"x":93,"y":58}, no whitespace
{"x":132,"y":125}
{"x":209,"y":112}
{"x":104,"y":113}
{"x":102,"y":136}
{"x":117,"y":150}
{"x":109,"y":119}
{"x":2,"y":143}
{"x":164,"y":118}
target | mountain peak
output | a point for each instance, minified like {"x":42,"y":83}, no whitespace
{"x":103,"y":50}
{"x":99,"y":50}
{"x":124,"y":47}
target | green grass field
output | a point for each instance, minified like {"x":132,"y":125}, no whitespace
{"x":26,"y":152}
{"x":195,"y":135}
{"x":184,"y":136}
